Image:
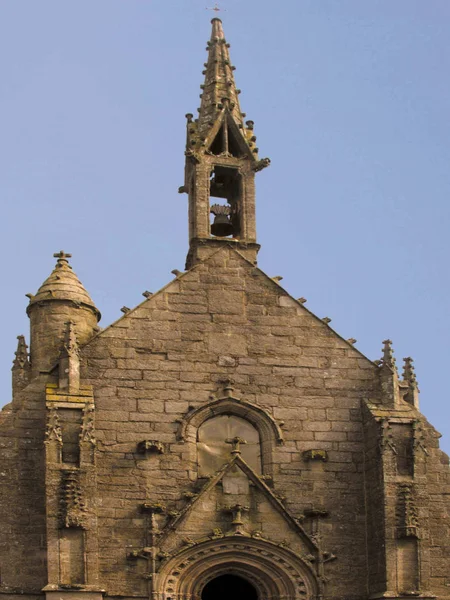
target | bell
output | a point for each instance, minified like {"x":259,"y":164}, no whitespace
{"x":222,"y":226}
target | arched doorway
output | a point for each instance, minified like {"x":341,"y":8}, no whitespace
{"x":229,"y":586}
{"x":235,"y":568}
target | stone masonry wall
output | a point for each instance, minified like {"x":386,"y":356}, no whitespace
{"x":226,"y":319}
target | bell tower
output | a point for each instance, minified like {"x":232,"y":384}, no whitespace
{"x":221,"y":162}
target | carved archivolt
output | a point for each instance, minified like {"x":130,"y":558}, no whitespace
{"x":275,"y":572}
{"x":265,"y":424}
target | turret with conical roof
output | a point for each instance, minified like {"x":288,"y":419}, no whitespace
{"x":221,"y":162}
{"x":60,"y":299}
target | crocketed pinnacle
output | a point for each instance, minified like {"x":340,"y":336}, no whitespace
{"x":219,"y":87}
{"x":388,"y":359}
{"x":63,"y":284}
{"x":21,"y":355}
{"x":70,"y":346}
{"x":409,"y":374}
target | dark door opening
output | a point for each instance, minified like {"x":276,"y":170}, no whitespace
{"x":226,"y":587}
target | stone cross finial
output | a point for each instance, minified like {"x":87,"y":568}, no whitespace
{"x":388,"y":359}
{"x":63,"y":259}
{"x":236,"y":444}
{"x":216,"y":8}
{"x":61,"y":255}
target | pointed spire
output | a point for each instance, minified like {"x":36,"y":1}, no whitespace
{"x":388,"y":359}
{"x":411,"y":395}
{"x":389,"y":376}
{"x":21,"y":369}
{"x":21,"y":355}
{"x":219,"y":89}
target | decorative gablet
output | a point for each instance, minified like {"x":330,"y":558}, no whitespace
{"x":221,"y":162}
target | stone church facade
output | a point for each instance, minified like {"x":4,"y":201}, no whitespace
{"x":219,"y":439}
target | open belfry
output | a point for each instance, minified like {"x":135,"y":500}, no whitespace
{"x":219,"y":440}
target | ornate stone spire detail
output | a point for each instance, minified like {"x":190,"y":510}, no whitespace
{"x":69,"y":362}
{"x":409,"y":373}
{"x":219,"y":89}
{"x":388,"y":359}
{"x":221,"y":162}
{"x":21,"y":369}
{"x":21,"y":355}
{"x":70,"y":347}
{"x":389,"y":376}
{"x":409,"y":378}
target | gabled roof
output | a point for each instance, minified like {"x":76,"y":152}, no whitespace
{"x":275,"y":285}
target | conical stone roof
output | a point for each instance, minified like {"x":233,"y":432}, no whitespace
{"x":63,"y":284}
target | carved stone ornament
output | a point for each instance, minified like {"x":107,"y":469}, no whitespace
{"x":53,"y":431}
{"x":315,"y":455}
{"x":72,"y":506}
{"x":406,"y":512}
{"x":156,"y":508}
{"x":419,"y":438}
{"x":150,"y":447}
{"x":87,"y":433}
{"x":386,"y":437}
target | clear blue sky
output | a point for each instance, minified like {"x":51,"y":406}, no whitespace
{"x":350,"y":100}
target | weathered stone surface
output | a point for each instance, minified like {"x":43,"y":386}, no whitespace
{"x":318,"y":478}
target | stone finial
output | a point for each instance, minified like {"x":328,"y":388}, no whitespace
{"x":62,"y":258}
{"x":147,"y":294}
{"x":21,"y":369}
{"x":70,"y":344}
{"x":409,"y":374}
{"x":388,"y":359}
{"x":411,"y":394}
{"x":69,"y":361}
{"x":219,"y":87}
{"x":125,"y":309}
{"x":21,"y":361}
